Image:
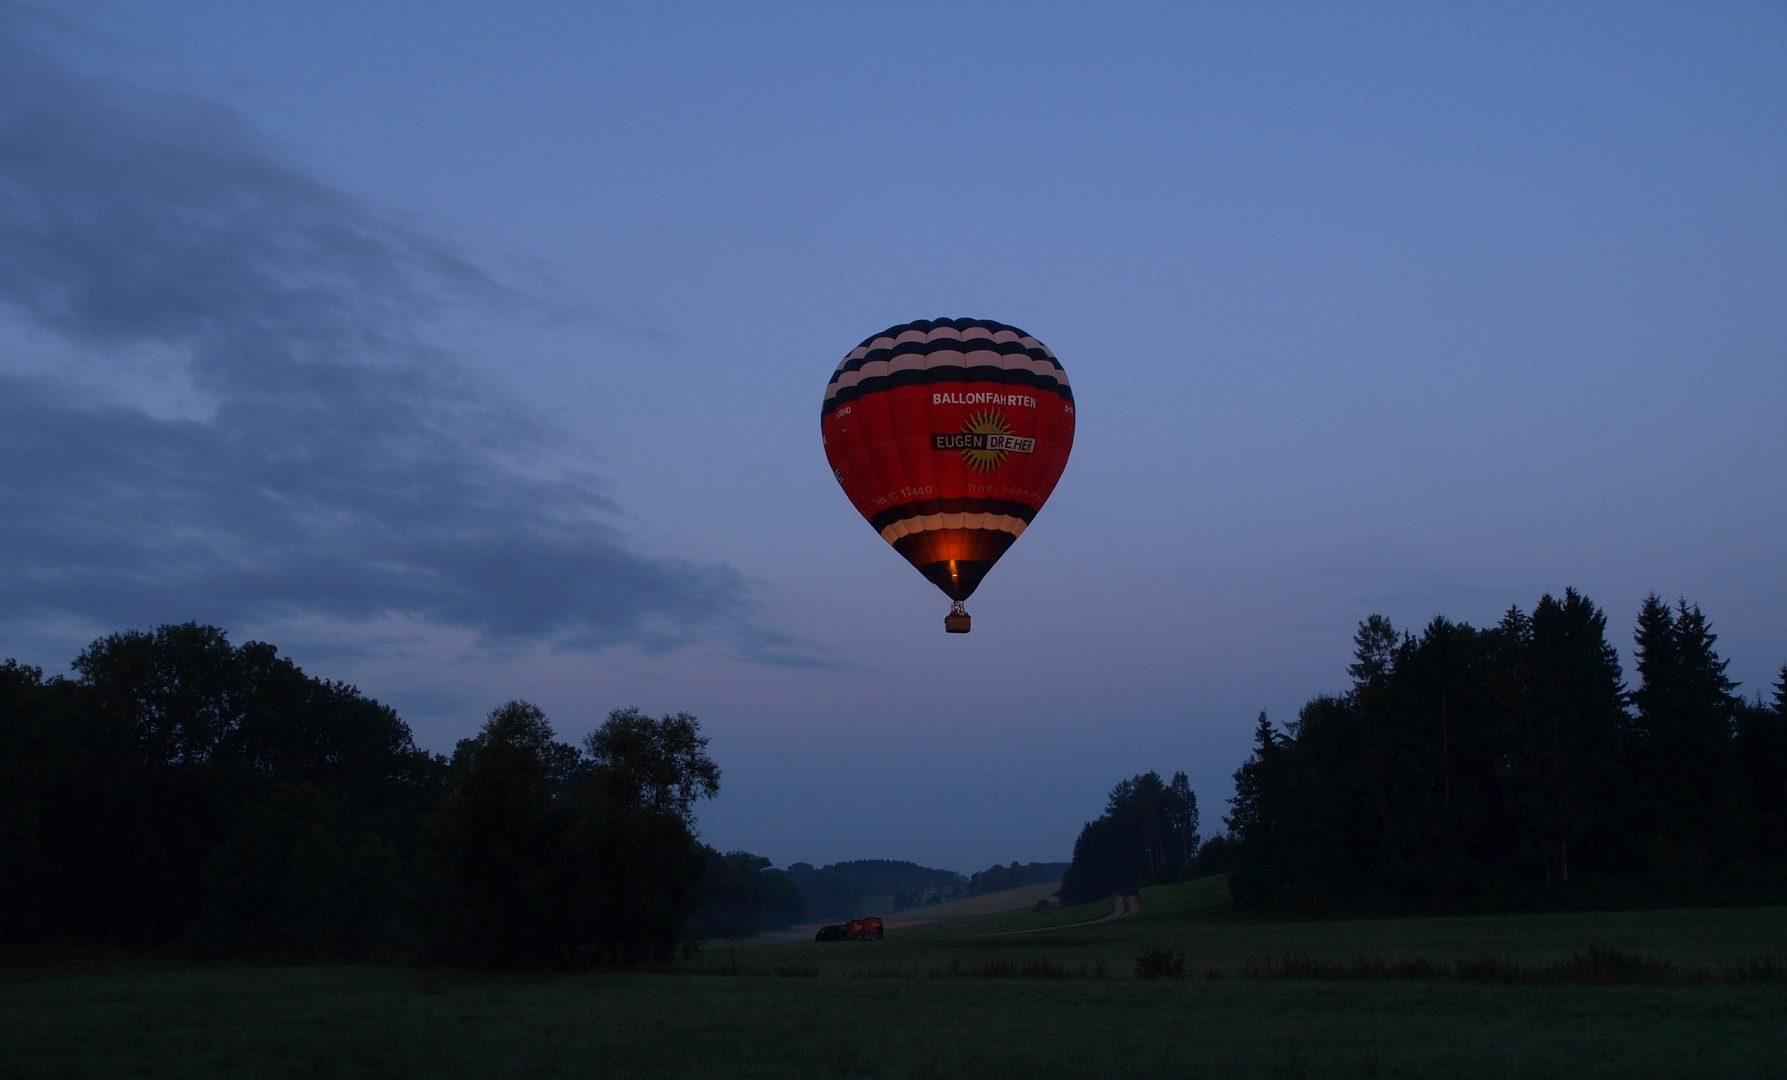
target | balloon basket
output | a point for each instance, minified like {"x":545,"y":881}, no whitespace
{"x":957,"y":621}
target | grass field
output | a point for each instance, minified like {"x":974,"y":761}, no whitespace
{"x":909,"y":1007}
{"x":1194,"y":918}
{"x":1022,"y":898}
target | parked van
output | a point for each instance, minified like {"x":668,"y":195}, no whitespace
{"x":869,"y":929}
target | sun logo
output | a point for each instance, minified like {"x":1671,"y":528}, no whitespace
{"x":990,"y":451}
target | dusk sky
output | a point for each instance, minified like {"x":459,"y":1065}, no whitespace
{"x":474,"y":352}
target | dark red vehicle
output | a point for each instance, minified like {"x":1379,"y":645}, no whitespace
{"x":869,"y":929}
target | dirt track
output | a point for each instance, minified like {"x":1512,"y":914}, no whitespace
{"x":1126,"y":905}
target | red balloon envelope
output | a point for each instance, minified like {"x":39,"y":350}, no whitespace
{"x":948,"y":436}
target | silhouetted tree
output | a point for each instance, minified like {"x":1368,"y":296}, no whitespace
{"x":1148,"y":824}
{"x":659,"y":766}
{"x":1179,"y":805}
{"x":1563,"y":701}
{"x":1761,"y":748}
{"x":1264,"y":821}
{"x":1685,"y":726}
{"x":1215,"y":856}
{"x":127,"y":780}
{"x":741,"y":895}
{"x":498,"y":842}
{"x":297,"y":874}
{"x":541,"y":855}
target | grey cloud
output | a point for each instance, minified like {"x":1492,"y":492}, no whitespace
{"x":346,"y":468}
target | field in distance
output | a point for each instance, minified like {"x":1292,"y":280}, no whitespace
{"x":963,"y":998}
{"x":1022,"y":898}
{"x":1197,"y":919}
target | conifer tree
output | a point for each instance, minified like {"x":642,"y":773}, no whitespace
{"x":1761,"y":746}
{"x":1685,"y":723}
{"x":1576,"y":709}
{"x":1259,"y":878}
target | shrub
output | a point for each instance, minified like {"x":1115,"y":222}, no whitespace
{"x":1159,"y":962}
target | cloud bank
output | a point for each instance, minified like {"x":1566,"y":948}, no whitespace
{"x":337,"y":464}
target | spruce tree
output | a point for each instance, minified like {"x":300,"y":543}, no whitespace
{"x":1761,"y":746}
{"x":1374,"y":648}
{"x":1525,"y":751}
{"x":1686,"y":719}
{"x":1259,"y":878}
{"x":1562,"y":697}
{"x":1656,"y":654}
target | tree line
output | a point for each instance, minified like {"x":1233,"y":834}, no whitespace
{"x":998,"y":878}
{"x":837,"y":890}
{"x":179,"y":790}
{"x":1512,"y":767}
{"x":1148,"y":834}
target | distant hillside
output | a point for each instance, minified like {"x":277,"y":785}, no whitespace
{"x":881,"y":876}
{"x":1000,"y":878}
{"x":834,"y":891}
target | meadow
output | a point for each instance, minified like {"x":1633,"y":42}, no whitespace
{"x":965,"y":998}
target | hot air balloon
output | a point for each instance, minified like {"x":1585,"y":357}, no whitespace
{"x":948,"y":436}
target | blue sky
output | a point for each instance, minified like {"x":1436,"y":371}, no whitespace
{"x":469,"y":353}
